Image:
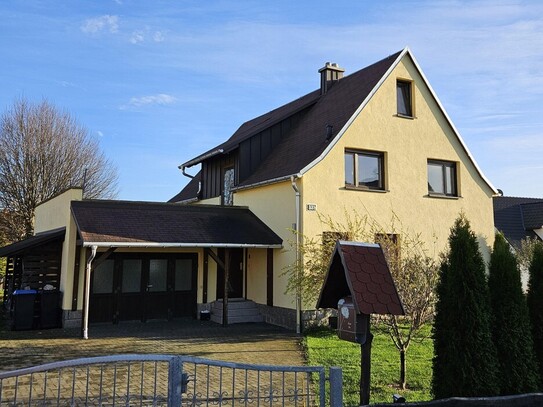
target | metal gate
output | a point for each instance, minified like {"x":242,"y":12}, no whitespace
{"x":165,"y":380}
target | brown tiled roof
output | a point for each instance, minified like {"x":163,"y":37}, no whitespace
{"x":516,"y":216}
{"x":165,"y":223}
{"x":308,"y":139}
{"x":361,"y":271}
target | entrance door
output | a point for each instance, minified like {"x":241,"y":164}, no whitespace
{"x":156,"y":290}
{"x":235,"y":281}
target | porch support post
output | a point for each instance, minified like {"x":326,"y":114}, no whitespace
{"x":87,"y":293}
{"x":206,"y":272}
{"x":225,"y":294}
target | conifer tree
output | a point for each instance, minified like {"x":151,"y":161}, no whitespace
{"x":535,"y":306}
{"x":464,"y":361}
{"x":510,"y":323}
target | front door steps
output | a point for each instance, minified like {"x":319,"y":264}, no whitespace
{"x":239,"y":311}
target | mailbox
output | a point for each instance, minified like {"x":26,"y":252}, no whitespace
{"x":351,"y":326}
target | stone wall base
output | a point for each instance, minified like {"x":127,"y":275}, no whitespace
{"x":72,"y":319}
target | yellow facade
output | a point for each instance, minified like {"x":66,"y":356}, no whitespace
{"x":275,"y":205}
{"x":53,"y":214}
{"x":407,"y":144}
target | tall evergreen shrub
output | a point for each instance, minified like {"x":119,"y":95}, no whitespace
{"x":464,"y":361}
{"x":535,"y":306}
{"x":510,"y":323}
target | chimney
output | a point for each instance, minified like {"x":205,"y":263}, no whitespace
{"x":330,"y":74}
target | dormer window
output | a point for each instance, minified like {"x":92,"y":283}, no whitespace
{"x":404,"y":98}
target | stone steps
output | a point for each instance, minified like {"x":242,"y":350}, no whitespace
{"x":239,"y":311}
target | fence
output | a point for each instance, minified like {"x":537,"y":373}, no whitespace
{"x":165,"y":380}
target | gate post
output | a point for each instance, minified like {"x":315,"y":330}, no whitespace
{"x":175,"y":373}
{"x":336,"y":387}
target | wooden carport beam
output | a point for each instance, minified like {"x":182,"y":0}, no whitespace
{"x":224,"y":266}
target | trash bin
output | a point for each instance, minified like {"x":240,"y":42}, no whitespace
{"x":23,"y":309}
{"x":49,"y":309}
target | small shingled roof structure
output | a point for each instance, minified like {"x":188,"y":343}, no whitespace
{"x":360,"y":270}
{"x":517,"y":217}
{"x":147,"y":224}
{"x":38,"y":239}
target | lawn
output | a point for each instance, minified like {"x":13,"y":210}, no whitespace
{"x":324,"y":348}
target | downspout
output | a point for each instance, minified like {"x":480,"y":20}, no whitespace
{"x":183,"y":171}
{"x":298,"y":231}
{"x":87,"y":293}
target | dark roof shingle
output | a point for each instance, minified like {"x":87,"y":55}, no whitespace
{"x":127,"y":222}
{"x":508,"y":217}
{"x":308,"y":139}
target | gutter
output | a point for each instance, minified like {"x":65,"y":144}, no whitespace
{"x":201,"y":158}
{"x":298,"y":231}
{"x":149,"y":245}
{"x":267,"y":182}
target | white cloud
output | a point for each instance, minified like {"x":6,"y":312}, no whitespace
{"x":99,"y":24}
{"x":158,"y":36}
{"x":137,"y":37}
{"x":161,"y":99}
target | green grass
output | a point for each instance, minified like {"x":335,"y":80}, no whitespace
{"x":324,"y":348}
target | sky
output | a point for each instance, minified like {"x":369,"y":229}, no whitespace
{"x":159,"y":82}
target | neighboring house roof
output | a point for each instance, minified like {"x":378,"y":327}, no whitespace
{"x":517,"y":217}
{"x":150,"y":224}
{"x":365,"y":277}
{"x":309,"y":142}
{"x":37,"y":240}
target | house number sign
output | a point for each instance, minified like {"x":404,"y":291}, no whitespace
{"x":311,"y":207}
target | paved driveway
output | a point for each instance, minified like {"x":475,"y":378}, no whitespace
{"x":245,"y":343}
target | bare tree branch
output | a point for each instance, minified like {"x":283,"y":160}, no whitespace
{"x":44,"y":151}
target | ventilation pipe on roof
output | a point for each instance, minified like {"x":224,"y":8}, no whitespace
{"x":298,"y":231}
{"x":330,"y":74}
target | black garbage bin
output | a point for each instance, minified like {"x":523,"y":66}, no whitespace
{"x":23,"y":309}
{"x":49,"y":309}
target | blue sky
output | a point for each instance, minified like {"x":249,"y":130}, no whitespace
{"x":159,"y":82}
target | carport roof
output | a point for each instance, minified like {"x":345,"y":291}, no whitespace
{"x":150,"y":224}
{"x":32,"y":242}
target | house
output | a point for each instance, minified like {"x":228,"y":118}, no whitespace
{"x":519,"y":219}
{"x":377,"y":141}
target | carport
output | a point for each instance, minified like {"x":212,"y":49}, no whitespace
{"x":142,"y":258}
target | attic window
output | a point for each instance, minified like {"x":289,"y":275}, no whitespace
{"x":404,"y":98}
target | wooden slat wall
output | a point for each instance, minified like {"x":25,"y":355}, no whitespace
{"x":41,"y":270}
